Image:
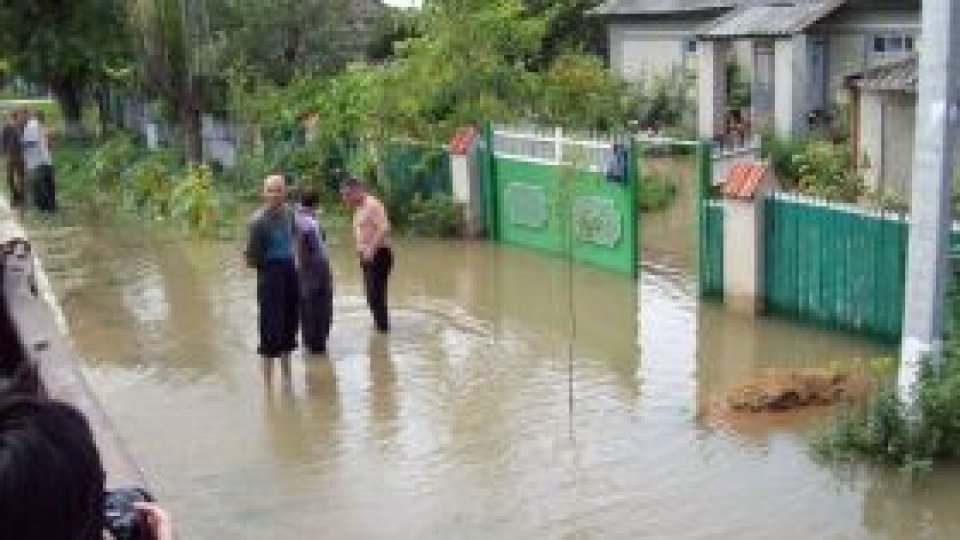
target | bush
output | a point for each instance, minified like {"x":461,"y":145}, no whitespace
{"x":913,"y":439}
{"x":436,"y":216}
{"x":813,"y":167}
{"x":655,"y":193}
{"x":781,"y":151}
{"x":826,"y":171}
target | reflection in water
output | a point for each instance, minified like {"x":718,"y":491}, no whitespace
{"x":458,"y":423}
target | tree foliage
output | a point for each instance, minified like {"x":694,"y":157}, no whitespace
{"x":68,"y":46}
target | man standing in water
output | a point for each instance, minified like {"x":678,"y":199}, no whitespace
{"x":371,"y":230}
{"x":13,"y":149}
{"x":270,"y":250}
{"x":40,"y":188}
{"x":316,"y":280}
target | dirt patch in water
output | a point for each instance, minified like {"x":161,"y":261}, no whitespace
{"x":779,"y":392}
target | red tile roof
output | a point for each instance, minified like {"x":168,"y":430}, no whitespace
{"x":744,"y":180}
{"x":463,"y":140}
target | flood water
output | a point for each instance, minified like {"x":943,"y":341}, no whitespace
{"x":476,"y":418}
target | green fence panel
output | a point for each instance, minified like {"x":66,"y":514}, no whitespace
{"x":526,"y":197}
{"x":711,"y":249}
{"x":710,"y":215}
{"x":835,"y":266}
{"x":418,"y":169}
{"x":532,"y":211}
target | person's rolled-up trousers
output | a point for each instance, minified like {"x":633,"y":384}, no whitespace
{"x":375,"y":274}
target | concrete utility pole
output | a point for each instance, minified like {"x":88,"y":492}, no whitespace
{"x":938,"y":113}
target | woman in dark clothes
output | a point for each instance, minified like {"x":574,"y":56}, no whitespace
{"x":316,"y":281}
{"x":270,"y":249}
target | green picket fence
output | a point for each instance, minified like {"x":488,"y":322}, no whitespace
{"x":837,"y":266}
{"x":552,"y":193}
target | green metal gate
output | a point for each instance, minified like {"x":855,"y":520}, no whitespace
{"x":840,"y":267}
{"x":556,"y":194}
{"x":710,"y":212}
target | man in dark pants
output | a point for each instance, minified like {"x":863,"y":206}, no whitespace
{"x":13,"y":150}
{"x":316,"y":280}
{"x":270,"y":250}
{"x":40,"y":188}
{"x":371,"y":229}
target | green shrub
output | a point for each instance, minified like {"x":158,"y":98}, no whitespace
{"x":826,"y":171}
{"x":889,"y":431}
{"x":149,"y":189}
{"x":780,"y":151}
{"x":196,"y":201}
{"x":655,"y":193}
{"x":436,"y":216}
{"x":110,"y":162}
{"x":813,"y":167}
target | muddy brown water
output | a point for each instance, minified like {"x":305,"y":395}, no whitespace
{"x":460,"y":424}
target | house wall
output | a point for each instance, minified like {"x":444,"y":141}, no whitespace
{"x":643,"y":49}
{"x":899,"y":133}
{"x":870,"y":159}
{"x":849,"y":34}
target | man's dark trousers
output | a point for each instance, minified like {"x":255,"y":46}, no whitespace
{"x":375,"y":274}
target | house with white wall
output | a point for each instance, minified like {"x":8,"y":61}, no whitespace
{"x":883,"y":114}
{"x":797,"y":53}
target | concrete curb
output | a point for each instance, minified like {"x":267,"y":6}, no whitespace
{"x":44,"y":336}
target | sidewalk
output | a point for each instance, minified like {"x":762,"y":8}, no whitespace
{"x":45,"y":334}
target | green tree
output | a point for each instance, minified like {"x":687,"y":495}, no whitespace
{"x":277,"y":41}
{"x":66,"y":46}
{"x":569,"y":27}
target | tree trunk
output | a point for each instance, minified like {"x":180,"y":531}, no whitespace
{"x":192,"y":135}
{"x":69,"y":94}
{"x":105,"y":113}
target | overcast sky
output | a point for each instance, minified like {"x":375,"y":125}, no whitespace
{"x":402,"y":3}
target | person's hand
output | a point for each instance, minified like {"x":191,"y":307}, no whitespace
{"x":366,"y":255}
{"x":156,"y":519}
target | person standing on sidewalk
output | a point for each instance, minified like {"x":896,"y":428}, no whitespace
{"x":13,"y":150}
{"x":39,"y":189}
{"x":270,"y":250}
{"x":371,"y":230}
{"x":316,"y":280}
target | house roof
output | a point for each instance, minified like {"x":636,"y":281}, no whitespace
{"x":744,"y":180}
{"x":770,"y":19}
{"x":902,"y":75}
{"x":654,"y":7}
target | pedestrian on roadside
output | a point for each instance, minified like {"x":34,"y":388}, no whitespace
{"x":39,"y":164}
{"x":371,"y":230}
{"x":270,"y":250}
{"x":316,"y":279}
{"x":12,"y":143}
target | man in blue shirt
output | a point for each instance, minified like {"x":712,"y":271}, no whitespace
{"x":270,"y":250}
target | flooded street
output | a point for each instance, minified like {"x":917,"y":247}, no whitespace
{"x":470,"y":420}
